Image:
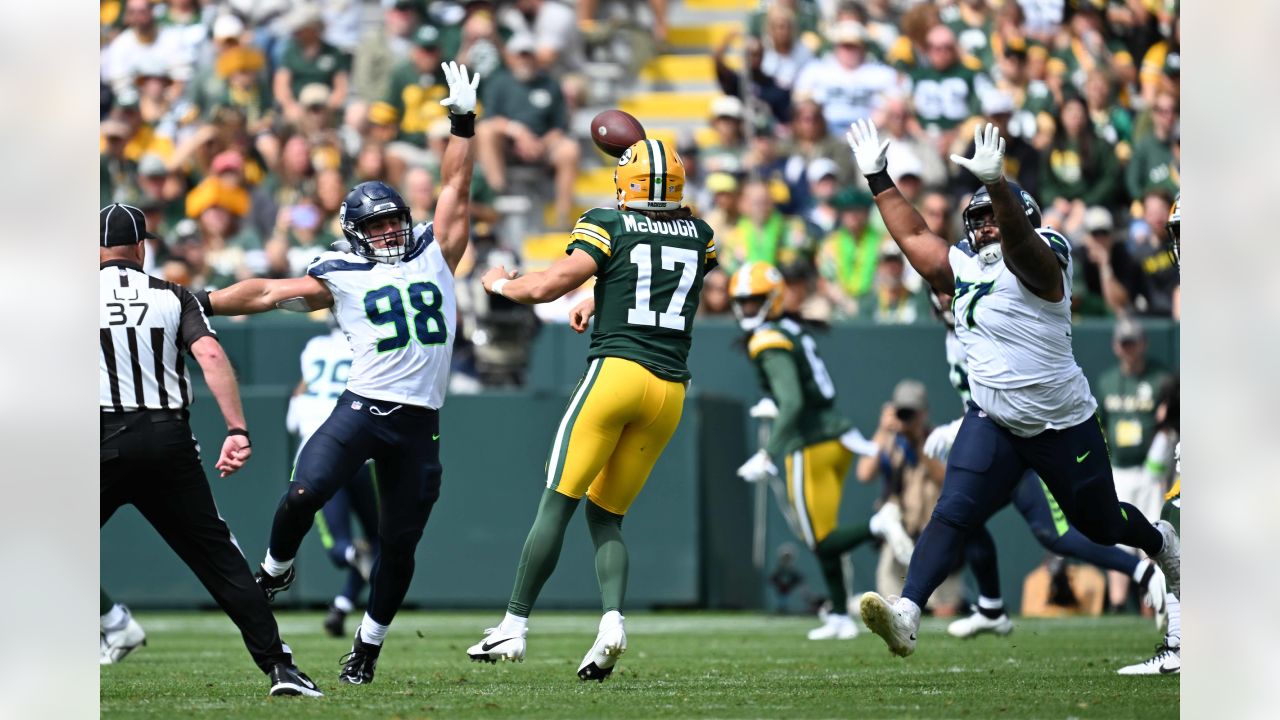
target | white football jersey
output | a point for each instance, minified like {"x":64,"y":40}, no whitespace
{"x":326,"y":365}
{"x":399,"y":320}
{"x":1017,"y":346}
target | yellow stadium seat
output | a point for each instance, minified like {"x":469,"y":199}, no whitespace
{"x":673,"y":105}
{"x":706,"y":37}
{"x":723,"y":5}
{"x":684,"y":68}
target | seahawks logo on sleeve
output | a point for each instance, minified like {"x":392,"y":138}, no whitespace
{"x":1058,"y":244}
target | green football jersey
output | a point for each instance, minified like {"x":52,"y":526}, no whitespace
{"x":648,"y":281}
{"x":793,"y":374}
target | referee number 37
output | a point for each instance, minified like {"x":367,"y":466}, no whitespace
{"x":120,"y":312}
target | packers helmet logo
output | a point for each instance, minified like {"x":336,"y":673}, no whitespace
{"x":625,"y":157}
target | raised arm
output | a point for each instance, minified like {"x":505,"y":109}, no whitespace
{"x":926,"y":252}
{"x":453,"y":208}
{"x":566,"y":274}
{"x":258,"y":295}
{"x":1026,"y":255}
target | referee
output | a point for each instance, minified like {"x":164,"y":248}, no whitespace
{"x":149,"y":457}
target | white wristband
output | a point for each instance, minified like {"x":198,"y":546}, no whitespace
{"x":498,"y":285}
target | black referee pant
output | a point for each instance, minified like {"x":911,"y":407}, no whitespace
{"x":149,"y":460}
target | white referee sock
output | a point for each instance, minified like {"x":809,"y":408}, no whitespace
{"x":115,"y":618}
{"x":274,"y":567}
{"x":371,"y":632}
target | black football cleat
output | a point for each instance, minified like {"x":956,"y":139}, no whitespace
{"x":335,"y":622}
{"x":358,"y":665}
{"x":287,"y":680}
{"x":272,"y":584}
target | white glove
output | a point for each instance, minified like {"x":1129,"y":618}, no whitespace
{"x":938,"y":444}
{"x":766,"y":409}
{"x":462,"y":92}
{"x":987,"y":163}
{"x":868,"y":151}
{"x":758,"y":467}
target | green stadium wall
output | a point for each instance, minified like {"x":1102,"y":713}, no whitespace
{"x":690,"y":531}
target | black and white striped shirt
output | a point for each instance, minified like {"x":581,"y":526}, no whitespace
{"x":145,"y":325}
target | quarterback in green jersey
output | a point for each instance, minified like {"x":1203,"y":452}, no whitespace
{"x":648,"y":257}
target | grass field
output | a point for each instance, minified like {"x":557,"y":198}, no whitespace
{"x":678,"y":665}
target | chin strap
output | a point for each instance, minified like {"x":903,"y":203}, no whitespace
{"x":990,"y":253}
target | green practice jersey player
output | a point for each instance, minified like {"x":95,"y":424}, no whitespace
{"x":648,"y":257}
{"x":814,"y":440}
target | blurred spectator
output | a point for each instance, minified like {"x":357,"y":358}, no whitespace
{"x":726,"y":153}
{"x":880,"y":18}
{"x":715,"y":294}
{"x":341,"y":23}
{"x":552,"y":26}
{"x":763,"y":160}
{"x":525,"y":117}
{"x":1153,"y":163}
{"x":1110,"y":120}
{"x":142,"y":138}
{"x":809,"y":140}
{"x":208,"y":85}
{"x":1084,"y":47}
{"x":1022,"y":162}
{"x":844,"y":82}
{"x":819,"y":208}
{"x":481,"y":46}
{"x":946,"y":92}
{"x":784,"y":55}
{"x":1162,"y":65}
{"x":763,"y":87}
{"x":145,"y":40}
{"x":908,"y":478}
{"x":908,"y":143}
{"x":420,"y":194}
{"x":1034,"y":102}
{"x":906,"y":170}
{"x":1126,"y":409}
{"x":973,"y":24}
{"x":417,"y":86}
{"x":223,"y":188}
{"x":309,"y":59}
{"x":1096,"y":289}
{"x":848,"y":256}
{"x":317,"y":114}
{"x":243,"y":86}
{"x":806,"y":16}
{"x":382,"y":47}
{"x":118,"y":174}
{"x":156,"y":95}
{"x":1152,"y":276}
{"x":158,"y":189}
{"x":935,"y":208}
{"x":300,"y":234}
{"x":1043,"y":18}
{"x":725,"y":210}
{"x":764,"y":234}
{"x":892,"y":302}
{"x":1079,"y":169}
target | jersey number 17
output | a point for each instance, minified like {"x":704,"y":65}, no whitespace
{"x":642,"y":258}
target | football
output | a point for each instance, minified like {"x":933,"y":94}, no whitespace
{"x":614,"y":131}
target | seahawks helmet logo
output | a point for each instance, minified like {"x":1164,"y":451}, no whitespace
{"x":626,"y":157}
{"x":1027,"y":202}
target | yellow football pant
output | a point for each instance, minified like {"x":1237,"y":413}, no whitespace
{"x":617,"y":424}
{"x":815,"y":479}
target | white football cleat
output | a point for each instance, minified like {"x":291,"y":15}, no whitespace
{"x":610,"y":643}
{"x":896,"y":624}
{"x":835,"y":627}
{"x":888,"y":522}
{"x":499,"y":644}
{"x":1166,"y":661}
{"x":977,"y":623}
{"x":1170,"y":558}
{"x":114,"y":645}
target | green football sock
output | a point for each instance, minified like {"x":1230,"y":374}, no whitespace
{"x":611,"y":555}
{"x":541,"y":551}
{"x":840,"y":541}
{"x":105,"y":603}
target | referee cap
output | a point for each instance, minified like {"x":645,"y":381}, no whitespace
{"x":122,"y":224}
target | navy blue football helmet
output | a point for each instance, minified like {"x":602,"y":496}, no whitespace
{"x":371,"y":201}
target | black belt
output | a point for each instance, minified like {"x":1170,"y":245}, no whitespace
{"x":155,"y":416}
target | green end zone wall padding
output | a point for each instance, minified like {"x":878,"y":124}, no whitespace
{"x":689,"y":533}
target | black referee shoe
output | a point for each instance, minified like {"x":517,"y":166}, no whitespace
{"x":288,"y":680}
{"x":271,"y":584}
{"x":358,"y":665}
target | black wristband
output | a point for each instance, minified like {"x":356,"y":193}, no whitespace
{"x":202,"y":297}
{"x":240,"y":431}
{"x":879,"y":182}
{"x":462,"y":125}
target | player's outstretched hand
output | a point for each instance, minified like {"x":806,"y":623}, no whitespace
{"x":235,"y":451}
{"x":758,"y":468}
{"x":987,"y":163}
{"x":462,"y":91}
{"x":580,"y":315}
{"x":493,"y":275}
{"x":868,"y":151}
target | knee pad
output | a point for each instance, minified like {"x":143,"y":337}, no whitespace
{"x":957,"y":511}
{"x":301,"y":499}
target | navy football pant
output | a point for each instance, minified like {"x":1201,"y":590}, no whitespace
{"x":358,"y":497}
{"x":985,"y":465}
{"x":1050,"y":528}
{"x":403,"y":442}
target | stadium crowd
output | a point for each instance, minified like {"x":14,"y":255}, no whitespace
{"x":237,"y":126}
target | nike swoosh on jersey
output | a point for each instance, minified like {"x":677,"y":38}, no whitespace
{"x":489,"y":646}
{"x":435,"y":437}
